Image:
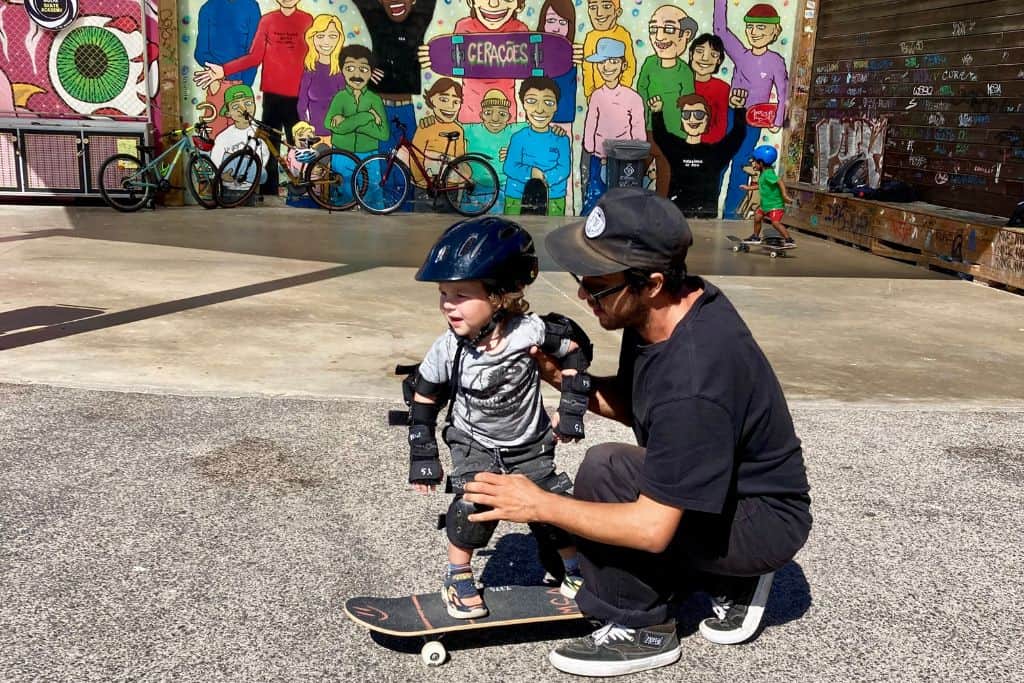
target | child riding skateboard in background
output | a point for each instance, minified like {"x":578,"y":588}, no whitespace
{"x":774,"y":196}
{"x":482,"y":369}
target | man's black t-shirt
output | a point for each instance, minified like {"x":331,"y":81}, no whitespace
{"x":710,"y":411}
{"x":696,"y":179}
{"x":395,"y":44}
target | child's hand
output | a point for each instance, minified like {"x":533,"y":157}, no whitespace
{"x":424,"y":489}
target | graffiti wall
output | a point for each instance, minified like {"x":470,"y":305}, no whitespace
{"x":101,"y":65}
{"x":540,"y":86}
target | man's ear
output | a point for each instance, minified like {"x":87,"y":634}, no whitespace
{"x":655,"y":284}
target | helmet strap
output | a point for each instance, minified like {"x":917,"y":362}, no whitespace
{"x":486,"y":330}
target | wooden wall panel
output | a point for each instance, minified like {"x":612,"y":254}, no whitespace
{"x":948,"y":76}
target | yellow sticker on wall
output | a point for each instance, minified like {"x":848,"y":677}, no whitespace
{"x":127,"y":146}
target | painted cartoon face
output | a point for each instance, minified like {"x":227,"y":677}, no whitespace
{"x":97,"y":66}
{"x":611,"y":69}
{"x":495,"y":118}
{"x":555,"y":23}
{"x":666,"y":38}
{"x":603,"y":14}
{"x":287,"y":4}
{"x":398,"y":10}
{"x":540,"y":107}
{"x":357,"y":72}
{"x":326,"y":41}
{"x":494,"y":13}
{"x":705,"y":60}
{"x":446,"y":105}
{"x":762,"y":35}
{"x":695,"y":119}
{"x":465,"y":306}
{"x":238,"y":110}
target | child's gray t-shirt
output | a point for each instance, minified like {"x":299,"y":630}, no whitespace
{"x":498,"y":402}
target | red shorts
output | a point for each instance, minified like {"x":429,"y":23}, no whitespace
{"x":775,"y":215}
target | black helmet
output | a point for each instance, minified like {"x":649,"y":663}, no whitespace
{"x":491,"y":249}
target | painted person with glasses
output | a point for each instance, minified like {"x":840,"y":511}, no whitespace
{"x":666,"y":74}
{"x":713,"y":496}
{"x":697,"y":166}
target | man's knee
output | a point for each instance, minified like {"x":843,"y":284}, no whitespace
{"x":608,"y":473}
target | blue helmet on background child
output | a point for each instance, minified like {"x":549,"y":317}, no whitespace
{"x":497,"y":251}
{"x":766,"y":154}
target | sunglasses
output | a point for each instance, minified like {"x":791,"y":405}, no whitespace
{"x":597,"y":296}
{"x":695,"y":115}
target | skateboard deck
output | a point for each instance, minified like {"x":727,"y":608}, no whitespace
{"x":762,"y":115}
{"x":535,"y":198}
{"x":773,"y":246}
{"x":500,"y":55}
{"x":425,"y":615}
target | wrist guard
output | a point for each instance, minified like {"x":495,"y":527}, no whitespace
{"x":424,"y":461}
{"x":573,"y":405}
{"x":558,"y":332}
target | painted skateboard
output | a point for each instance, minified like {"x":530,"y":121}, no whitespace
{"x":762,"y":115}
{"x":425,"y":615}
{"x":774,"y":247}
{"x":500,"y":55}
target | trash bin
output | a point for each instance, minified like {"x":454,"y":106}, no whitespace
{"x":626,"y":162}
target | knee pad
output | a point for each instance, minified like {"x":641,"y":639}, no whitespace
{"x":461,"y":531}
{"x":550,"y":536}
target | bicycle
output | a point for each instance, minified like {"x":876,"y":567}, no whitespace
{"x":468,"y":182}
{"x":127,"y":184}
{"x":324,"y":175}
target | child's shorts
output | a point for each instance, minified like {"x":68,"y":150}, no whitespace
{"x":774,"y":215}
{"x":536,"y":461}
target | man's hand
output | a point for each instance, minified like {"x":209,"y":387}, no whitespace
{"x":376,"y":76}
{"x":336,"y":120}
{"x":212,"y":73}
{"x":537,"y":173}
{"x":655,"y":103}
{"x":376,"y":116}
{"x":428,"y":121}
{"x":503,"y":154}
{"x":577,"y":53}
{"x":511,"y":497}
{"x":737,"y":98}
{"x":423,"y":54}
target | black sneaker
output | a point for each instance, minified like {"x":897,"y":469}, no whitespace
{"x":614,"y":650}
{"x":753,"y":239}
{"x":790,"y":242}
{"x":738,"y":606}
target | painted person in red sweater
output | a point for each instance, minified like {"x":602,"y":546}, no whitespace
{"x":279,"y":47}
{"x":706,"y":55}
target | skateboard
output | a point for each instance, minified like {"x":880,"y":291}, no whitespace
{"x":773,"y":246}
{"x":762,"y":115}
{"x":500,"y":55}
{"x":535,"y":198}
{"x":425,"y":615}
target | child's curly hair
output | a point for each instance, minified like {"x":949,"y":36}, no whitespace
{"x":513,"y":303}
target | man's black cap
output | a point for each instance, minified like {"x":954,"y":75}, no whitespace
{"x":628,"y":228}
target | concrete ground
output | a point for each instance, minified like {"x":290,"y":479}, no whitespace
{"x":195,"y":471}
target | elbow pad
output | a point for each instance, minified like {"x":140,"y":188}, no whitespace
{"x":558,"y":332}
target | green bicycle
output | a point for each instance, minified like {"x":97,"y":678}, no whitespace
{"x":128,"y":184}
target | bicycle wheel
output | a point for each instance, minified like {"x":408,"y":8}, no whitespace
{"x":469,"y":185}
{"x":201,"y":178}
{"x":126,"y":184}
{"x":328,"y":179}
{"x":381,"y":184}
{"x":238,"y":177}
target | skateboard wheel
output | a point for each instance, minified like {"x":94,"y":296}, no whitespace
{"x":433,"y":653}
{"x":736,"y":248}
{"x":773,"y":254}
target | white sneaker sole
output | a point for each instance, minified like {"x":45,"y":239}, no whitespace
{"x":456,"y":613}
{"x":618,"y":668}
{"x":755,"y":611}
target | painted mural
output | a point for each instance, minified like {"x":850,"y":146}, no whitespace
{"x":101,"y":65}
{"x":540,"y":86}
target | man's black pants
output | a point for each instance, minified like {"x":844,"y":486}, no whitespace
{"x":280,"y":113}
{"x":752,"y":536}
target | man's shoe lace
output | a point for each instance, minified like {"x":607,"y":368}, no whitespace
{"x":611,"y":632}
